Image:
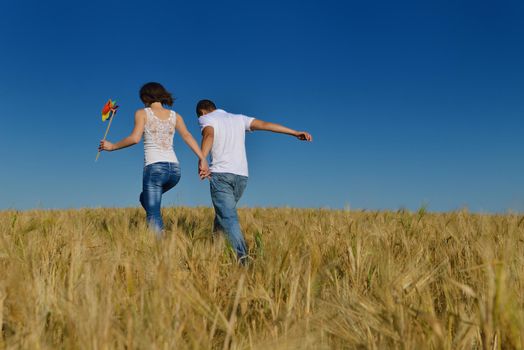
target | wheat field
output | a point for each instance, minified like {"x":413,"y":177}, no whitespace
{"x":317,"y":279}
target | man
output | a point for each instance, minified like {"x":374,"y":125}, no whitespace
{"x":223,"y":134}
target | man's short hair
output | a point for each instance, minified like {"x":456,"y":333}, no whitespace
{"x":204,"y":105}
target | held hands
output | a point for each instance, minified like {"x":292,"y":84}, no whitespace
{"x":203,"y":169}
{"x":303,"y":136}
{"x":106,"y":146}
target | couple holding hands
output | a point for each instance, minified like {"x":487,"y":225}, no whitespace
{"x":223,"y":135}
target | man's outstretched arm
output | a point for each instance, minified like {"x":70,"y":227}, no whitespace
{"x":258,"y":124}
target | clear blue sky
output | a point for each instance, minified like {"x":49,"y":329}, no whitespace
{"x":410,"y":102}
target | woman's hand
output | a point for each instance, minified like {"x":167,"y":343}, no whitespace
{"x":203,"y":169}
{"x":106,"y":146}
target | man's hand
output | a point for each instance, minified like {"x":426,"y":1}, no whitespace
{"x":106,"y":146}
{"x":203,"y":169}
{"x":303,"y":136}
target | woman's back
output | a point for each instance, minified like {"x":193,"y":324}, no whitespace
{"x":158,"y":136}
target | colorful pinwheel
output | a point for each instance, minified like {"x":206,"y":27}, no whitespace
{"x":108,"y":112}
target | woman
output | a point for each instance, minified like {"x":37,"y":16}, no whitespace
{"x":162,"y":171}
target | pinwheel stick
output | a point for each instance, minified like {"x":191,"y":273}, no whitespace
{"x":105,"y":135}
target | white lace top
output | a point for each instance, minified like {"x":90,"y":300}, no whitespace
{"x":158,"y":138}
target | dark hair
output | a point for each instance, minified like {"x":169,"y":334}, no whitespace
{"x":155,"y":92}
{"x":204,"y":105}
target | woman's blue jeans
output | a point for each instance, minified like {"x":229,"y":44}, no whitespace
{"x":226,"y":190}
{"x":158,"y":178}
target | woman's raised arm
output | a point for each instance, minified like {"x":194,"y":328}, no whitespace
{"x":132,"y":139}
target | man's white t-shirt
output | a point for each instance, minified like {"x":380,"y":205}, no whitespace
{"x":228,"y":154}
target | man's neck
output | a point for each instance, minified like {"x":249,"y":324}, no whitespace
{"x":207,"y":111}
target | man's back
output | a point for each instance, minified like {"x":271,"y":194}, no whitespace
{"x":228,"y":154}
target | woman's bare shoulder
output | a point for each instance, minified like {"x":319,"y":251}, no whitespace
{"x":140,"y":114}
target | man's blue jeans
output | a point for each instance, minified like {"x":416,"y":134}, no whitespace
{"x":158,"y":178}
{"x":226,"y":190}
